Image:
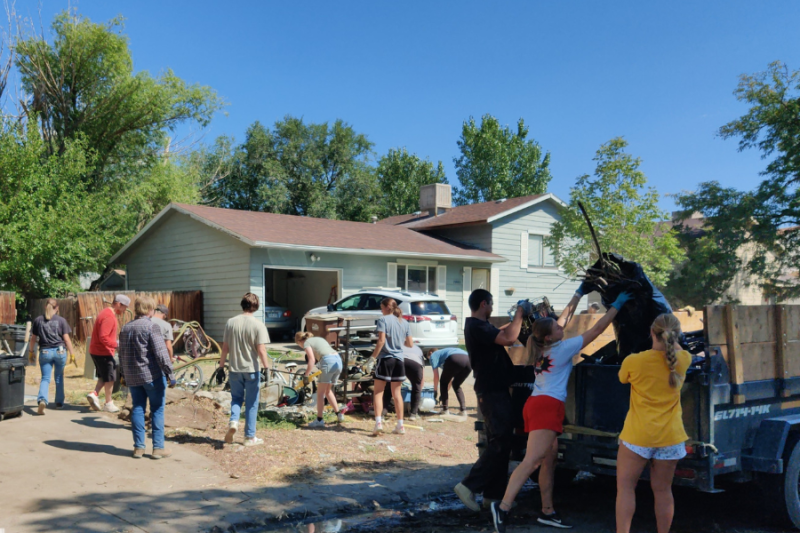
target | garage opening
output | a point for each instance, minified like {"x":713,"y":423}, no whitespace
{"x":300,"y":290}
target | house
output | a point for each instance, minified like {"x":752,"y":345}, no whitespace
{"x":302,"y":262}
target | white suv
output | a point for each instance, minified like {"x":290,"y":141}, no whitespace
{"x":431,"y":322}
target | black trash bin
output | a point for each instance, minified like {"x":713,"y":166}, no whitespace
{"x":12,"y":386}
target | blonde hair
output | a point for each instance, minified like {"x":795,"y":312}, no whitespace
{"x":667,"y":328}
{"x":392,"y":305}
{"x":50,"y":308}
{"x":302,"y":336}
{"x":541,"y":329}
{"x":143,"y":305}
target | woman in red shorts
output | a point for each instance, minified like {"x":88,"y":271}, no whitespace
{"x":544,"y":410}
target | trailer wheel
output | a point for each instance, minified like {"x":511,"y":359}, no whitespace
{"x":782,"y":491}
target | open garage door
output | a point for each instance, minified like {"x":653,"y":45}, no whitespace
{"x":301,"y":289}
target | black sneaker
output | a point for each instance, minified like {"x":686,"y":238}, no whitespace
{"x":553,"y":520}
{"x":499,"y":517}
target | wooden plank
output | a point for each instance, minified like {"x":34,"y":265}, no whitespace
{"x":715,"y":324}
{"x":793,"y":322}
{"x":756,"y":323}
{"x":758,"y":360}
{"x":781,"y":364}
{"x":8,"y":307}
{"x":793,"y":359}
{"x":734,"y":349}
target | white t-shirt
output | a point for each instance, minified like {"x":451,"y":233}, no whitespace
{"x":552,"y":371}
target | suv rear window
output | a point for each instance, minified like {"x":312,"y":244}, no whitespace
{"x":429,"y":308}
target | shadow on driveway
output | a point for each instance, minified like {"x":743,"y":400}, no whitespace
{"x":89,"y":447}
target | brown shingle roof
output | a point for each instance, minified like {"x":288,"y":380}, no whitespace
{"x":263,"y":229}
{"x":465,"y":214}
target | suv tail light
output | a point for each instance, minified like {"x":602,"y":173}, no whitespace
{"x":416,"y":318}
{"x":287,"y":313}
{"x":454,"y":317}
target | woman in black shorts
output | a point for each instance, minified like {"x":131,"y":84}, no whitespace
{"x":393,"y":333}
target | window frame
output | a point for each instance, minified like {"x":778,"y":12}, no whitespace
{"x":542,"y":266}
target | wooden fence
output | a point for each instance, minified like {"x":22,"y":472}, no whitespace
{"x":8,"y":307}
{"x":81,"y":311}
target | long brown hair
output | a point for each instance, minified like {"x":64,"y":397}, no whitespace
{"x":541,"y":329}
{"x":667,"y":327}
{"x":50,"y":308}
{"x":392,"y":305}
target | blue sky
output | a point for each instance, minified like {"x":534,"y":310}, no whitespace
{"x":409,"y":73}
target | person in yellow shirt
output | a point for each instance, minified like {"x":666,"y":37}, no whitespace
{"x":653,"y":430}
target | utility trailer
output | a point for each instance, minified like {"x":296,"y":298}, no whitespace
{"x":741,"y":408}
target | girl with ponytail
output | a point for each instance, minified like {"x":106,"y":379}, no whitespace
{"x":653,"y":430}
{"x":393,"y":334}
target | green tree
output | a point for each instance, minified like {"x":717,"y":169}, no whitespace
{"x":496,"y":162}
{"x":400,"y":176}
{"x":316,"y":170}
{"x":51,"y":223}
{"x":763,"y":219}
{"x":81,"y":84}
{"x":625,"y":216}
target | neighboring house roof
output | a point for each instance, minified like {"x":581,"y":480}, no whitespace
{"x":270,"y":230}
{"x":471,"y":214}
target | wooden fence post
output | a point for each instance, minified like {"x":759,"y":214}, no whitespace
{"x":781,"y":340}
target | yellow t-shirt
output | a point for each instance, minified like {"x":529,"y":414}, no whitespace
{"x":655,"y":418}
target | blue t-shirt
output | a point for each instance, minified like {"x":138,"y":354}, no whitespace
{"x":440,"y":356}
{"x":396,"y":331}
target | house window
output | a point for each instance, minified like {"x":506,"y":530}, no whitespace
{"x":539,"y":255}
{"x":417,"y":278}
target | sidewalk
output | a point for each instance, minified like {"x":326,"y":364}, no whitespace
{"x":71,"y":470}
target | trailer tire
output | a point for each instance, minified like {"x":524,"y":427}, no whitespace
{"x":781,"y":491}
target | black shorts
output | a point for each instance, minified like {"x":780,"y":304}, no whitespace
{"x":390,"y":369}
{"x":106,"y":368}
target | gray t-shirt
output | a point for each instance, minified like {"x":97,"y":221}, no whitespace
{"x":165,"y":327}
{"x":414,"y":354}
{"x":320,"y":347}
{"x":50,"y":332}
{"x":396,"y":330}
{"x":243,"y":334}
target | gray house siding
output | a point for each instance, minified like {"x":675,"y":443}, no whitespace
{"x":183,"y":254}
{"x":478,"y":236}
{"x":528,"y":282}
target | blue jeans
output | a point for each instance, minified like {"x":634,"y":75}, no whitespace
{"x":50,"y":358}
{"x":156,"y":392}
{"x":244,"y":389}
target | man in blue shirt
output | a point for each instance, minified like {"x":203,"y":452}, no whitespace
{"x":455,"y":366}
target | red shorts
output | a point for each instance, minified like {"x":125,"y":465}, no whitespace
{"x":543,"y":412}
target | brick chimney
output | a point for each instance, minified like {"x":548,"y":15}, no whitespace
{"x":435,"y":199}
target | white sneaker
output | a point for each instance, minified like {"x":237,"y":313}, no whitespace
{"x":255,"y":441}
{"x":317,"y":424}
{"x":94,"y":401}
{"x":111,"y":408}
{"x":399,"y":430}
{"x":378,"y":429}
{"x":340,"y":417}
{"x":233,"y":427}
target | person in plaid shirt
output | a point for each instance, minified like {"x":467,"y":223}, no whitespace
{"x":147,"y":369}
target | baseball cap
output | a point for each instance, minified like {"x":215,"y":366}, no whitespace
{"x":161,"y":308}
{"x":124,"y":300}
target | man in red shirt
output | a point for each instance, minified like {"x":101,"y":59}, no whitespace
{"x":102,"y":347}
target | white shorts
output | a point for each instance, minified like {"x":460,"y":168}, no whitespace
{"x":664,"y":453}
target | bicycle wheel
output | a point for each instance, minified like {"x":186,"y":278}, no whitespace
{"x":189,"y":378}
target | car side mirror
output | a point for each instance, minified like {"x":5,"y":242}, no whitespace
{"x":331,"y":307}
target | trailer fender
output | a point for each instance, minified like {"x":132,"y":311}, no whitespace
{"x":768,"y":445}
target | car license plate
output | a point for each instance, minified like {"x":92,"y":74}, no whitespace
{"x":273,"y":315}
{"x":440,"y":325}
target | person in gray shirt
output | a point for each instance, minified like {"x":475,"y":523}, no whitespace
{"x":393,"y":332}
{"x":160,"y":319}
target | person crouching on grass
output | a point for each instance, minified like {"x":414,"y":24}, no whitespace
{"x":393,"y":332}
{"x":544,"y":411}
{"x":147,"y":369}
{"x":653,"y":430}
{"x":318,"y":351}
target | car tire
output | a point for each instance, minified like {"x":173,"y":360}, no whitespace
{"x":781,"y":491}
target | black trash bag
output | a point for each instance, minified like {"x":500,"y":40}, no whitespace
{"x":613,"y":275}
